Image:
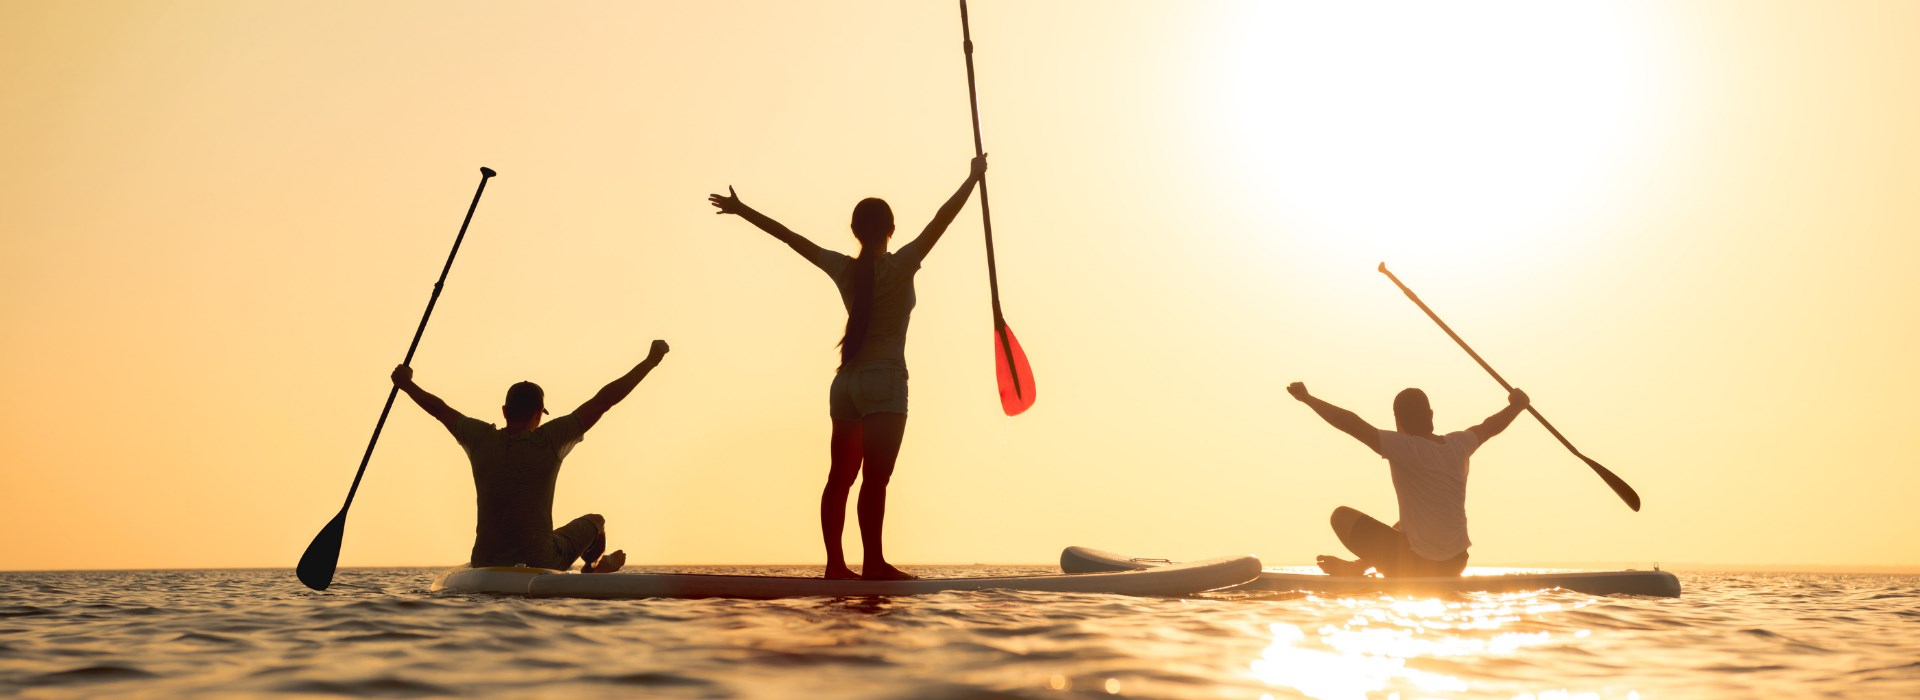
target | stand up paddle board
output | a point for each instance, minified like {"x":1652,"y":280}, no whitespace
{"x":1630,"y":582}
{"x":1175,"y":579}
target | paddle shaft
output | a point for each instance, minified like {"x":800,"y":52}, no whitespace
{"x":1619,"y":486}
{"x":438,"y":284}
{"x":986,"y":211}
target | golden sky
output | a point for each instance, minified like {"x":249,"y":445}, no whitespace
{"x":1684,"y":228}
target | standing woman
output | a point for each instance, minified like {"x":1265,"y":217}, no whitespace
{"x":868,"y":402}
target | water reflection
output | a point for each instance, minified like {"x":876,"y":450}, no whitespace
{"x":867,"y":605}
{"x":1389,"y":643}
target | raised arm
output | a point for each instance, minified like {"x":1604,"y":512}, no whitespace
{"x":1347,"y":421}
{"x":589,"y":413}
{"x":919,"y":247}
{"x":1517,"y":401}
{"x":730,"y":204}
{"x":403,"y":378}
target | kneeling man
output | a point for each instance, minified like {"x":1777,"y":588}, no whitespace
{"x":514,"y":470}
{"x":1429,"y":478}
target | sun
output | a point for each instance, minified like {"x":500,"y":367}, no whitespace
{"x":1478,"y":135}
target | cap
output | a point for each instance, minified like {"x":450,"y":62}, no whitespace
{"x":524,"y":398}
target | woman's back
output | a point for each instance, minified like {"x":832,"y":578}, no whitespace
{"x":885,"y":340}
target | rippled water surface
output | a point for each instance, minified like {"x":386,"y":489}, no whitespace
{"x":379,"y":633}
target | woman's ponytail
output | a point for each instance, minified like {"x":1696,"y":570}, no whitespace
{"x":872,"y":225}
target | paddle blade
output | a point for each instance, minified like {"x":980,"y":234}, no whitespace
{"x":1015,"y":376}
{"x":323,"y":554}
{"x":1619,"y":486}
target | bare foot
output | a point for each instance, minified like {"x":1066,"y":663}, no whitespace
{"x":1335,"y":566}
{"x":840,"y":572}
{"x":883,"y":571}
{"x":608,"y":563}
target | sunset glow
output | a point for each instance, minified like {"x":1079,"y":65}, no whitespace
{"x":1686,"y":230}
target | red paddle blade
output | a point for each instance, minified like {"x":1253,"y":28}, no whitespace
{"x":1010,"y":367}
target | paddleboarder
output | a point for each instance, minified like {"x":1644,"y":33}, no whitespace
{"x":515,"y":467}
{"x":1429,"y":479}
{"x":868,"y":398}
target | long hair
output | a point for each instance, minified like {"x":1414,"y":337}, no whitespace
{"x":872,"y":225}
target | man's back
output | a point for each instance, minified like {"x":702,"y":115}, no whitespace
{"x":513,"y":481}
{"x":1430,"y":481}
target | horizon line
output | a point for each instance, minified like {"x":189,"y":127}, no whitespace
{"x":1677,"y":567}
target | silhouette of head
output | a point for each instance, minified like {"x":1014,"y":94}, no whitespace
{"x":525,"y":401}
{"x":873,"y":223}
{"x":1412,"y":414}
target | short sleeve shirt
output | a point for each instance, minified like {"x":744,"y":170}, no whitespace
{"x":513,"y":480}
{"x":1430,"y":479}
{"x":893,"y":300}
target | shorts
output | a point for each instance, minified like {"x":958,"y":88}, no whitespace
{"x":1389,"y":551}
{"x":568,"y":543}
{"x":868,"y":388}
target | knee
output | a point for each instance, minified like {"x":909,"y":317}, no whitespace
{"x":875,"y":477}
{"x":876,"y":473}
{"x":841,"y":482}
{"x":1343,"y":519}
{"x":599,"y":521}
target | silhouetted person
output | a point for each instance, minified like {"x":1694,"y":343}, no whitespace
{"x":1429,"y":478}
{"x":868,"y":400}
{"x":514,"y":470}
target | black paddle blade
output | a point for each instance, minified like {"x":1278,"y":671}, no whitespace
{"x":323,"y":554}
{"x":1619,"y":486}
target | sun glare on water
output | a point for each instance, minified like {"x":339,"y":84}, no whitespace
{"x":1476,"y":134}
{"x":1370,"y":652}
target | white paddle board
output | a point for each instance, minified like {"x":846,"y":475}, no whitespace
{"x":1179,"y":579}
{"x":1629,"y":582}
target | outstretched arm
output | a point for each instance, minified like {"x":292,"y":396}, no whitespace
{"x":589,"y":413}
{"x":1517,"y":401}
{"x":943,"y":218}
{"x":1347,"y":421}
{"x":731,"y":204}
{"x":403,"y":378}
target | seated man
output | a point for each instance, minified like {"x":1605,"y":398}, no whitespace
{"x":1429,"y":478}
{"x":514,"y":469}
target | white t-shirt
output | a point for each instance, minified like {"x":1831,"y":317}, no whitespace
{"x":1430,"y":479}
{"x":893,"y":299}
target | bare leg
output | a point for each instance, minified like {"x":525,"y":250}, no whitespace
{"x":845,"y":448}
{"x":607,"y":564}
{"x":1344,"y":521}
{"x":881,"y":434}
{"x":1335,"y":566}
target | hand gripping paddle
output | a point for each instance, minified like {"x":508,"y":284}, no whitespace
{"x":323,"y":554}
{"x":1010,"y":366}
{"x":1619,"y":486}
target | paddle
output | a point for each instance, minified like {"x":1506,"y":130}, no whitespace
{"x":1009,"y":361}
{"x":323,"y":554}
{"x":1619,"y":487}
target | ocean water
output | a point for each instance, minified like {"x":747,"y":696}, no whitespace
{"x":378,"y":633}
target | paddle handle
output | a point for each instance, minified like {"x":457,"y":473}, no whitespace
{"x":986,"y":208}
{"x":979,"y":149}
{"x":1618,"y":485}
{"x":438,"y":285}
{"x":1470,"y":353}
